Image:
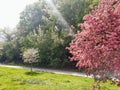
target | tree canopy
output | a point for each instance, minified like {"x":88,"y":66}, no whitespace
{"x":45,"y":25}
{"x":97,"y":47}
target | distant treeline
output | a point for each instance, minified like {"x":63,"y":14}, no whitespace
{"x":46,"y":26}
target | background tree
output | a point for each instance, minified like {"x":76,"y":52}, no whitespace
{"x":11,"y":48}
{"x":73,"y":11}
{"x":41,"y":27}
{"x":7,"y":34}
{"x":32,"y":17}
{"x":12,"y":52}
{"x":97,"y":47}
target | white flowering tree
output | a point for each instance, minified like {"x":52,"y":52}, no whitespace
{"x":30,"y":56}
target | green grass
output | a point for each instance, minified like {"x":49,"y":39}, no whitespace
{"x":19,"y":79}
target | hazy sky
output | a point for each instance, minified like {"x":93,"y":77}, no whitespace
{"x":10,"y":10}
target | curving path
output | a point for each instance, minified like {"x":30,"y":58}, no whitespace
{"x":49,"y":70}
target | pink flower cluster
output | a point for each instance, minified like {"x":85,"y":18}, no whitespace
{"x":97,"y":47}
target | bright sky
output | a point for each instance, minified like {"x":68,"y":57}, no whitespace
{"x":10,"y":11}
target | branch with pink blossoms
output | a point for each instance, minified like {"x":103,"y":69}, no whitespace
{"x":97,"y":47}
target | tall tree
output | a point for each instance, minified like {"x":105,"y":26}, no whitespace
{"x":32,"y":17}
{"x":97,"y":47}
{"x":74,"y":10}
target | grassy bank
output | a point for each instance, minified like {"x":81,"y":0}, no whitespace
{"x":18,"y":79}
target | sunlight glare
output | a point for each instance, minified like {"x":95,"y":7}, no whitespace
{"x":57,"y":14}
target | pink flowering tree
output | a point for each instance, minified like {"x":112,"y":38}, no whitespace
{"x":97,"y":47}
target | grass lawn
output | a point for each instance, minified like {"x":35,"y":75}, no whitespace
{"x":19,"y":79}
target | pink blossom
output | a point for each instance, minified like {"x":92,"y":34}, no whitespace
{"x":97,"y":47}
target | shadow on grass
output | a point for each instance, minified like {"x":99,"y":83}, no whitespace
{"x":32,"y":73}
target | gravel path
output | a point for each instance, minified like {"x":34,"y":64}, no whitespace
{"x":49,"y":70}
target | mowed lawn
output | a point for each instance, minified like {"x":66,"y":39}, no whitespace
{"x":19,"y":79}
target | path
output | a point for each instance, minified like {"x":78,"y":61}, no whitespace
{"x":49,"y":70}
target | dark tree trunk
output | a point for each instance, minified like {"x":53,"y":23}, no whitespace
{"x":31,"y":67}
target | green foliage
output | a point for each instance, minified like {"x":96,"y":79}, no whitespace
{"x":74,"y":10}
{"x":32,"y":17}
{"x":11,"y":52}
{"x":40,"y":27}
{"x":2,"y":44}
{"x":18,"y":79}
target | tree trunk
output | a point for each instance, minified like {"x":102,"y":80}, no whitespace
{"x":96,"y":84}
{"x":31,"y":67}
